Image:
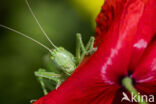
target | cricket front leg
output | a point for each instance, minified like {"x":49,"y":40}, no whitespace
{"x":90,"y":46}
{"x":41,"y":73}
{"x":80,"y":48}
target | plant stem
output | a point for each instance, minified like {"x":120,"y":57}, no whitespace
{"x":127,"y":83}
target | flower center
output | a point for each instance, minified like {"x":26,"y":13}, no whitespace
{"x":130,"y":72}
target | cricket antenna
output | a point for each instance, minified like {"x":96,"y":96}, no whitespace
{"x":22,"y":34}
{"x":40,"y":25}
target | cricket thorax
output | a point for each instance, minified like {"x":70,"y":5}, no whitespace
{"x":64,"y":60}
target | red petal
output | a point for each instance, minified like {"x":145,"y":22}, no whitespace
{"x":146,"y":32}
{"x":119,"y":41}
{"x":111,"y":11}
{"x":145,"y":73}
{"x":146,"y":69}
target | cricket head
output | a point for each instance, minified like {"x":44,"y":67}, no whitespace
{"x":64,"y":60}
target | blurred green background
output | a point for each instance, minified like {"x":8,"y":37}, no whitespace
{"x":20,"y":57}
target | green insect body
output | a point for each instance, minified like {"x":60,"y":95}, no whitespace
{"x":64,"y":61}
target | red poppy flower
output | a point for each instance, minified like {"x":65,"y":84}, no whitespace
{"x":125,"y":36}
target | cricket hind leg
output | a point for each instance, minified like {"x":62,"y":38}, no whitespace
{"x":42,"y":74}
